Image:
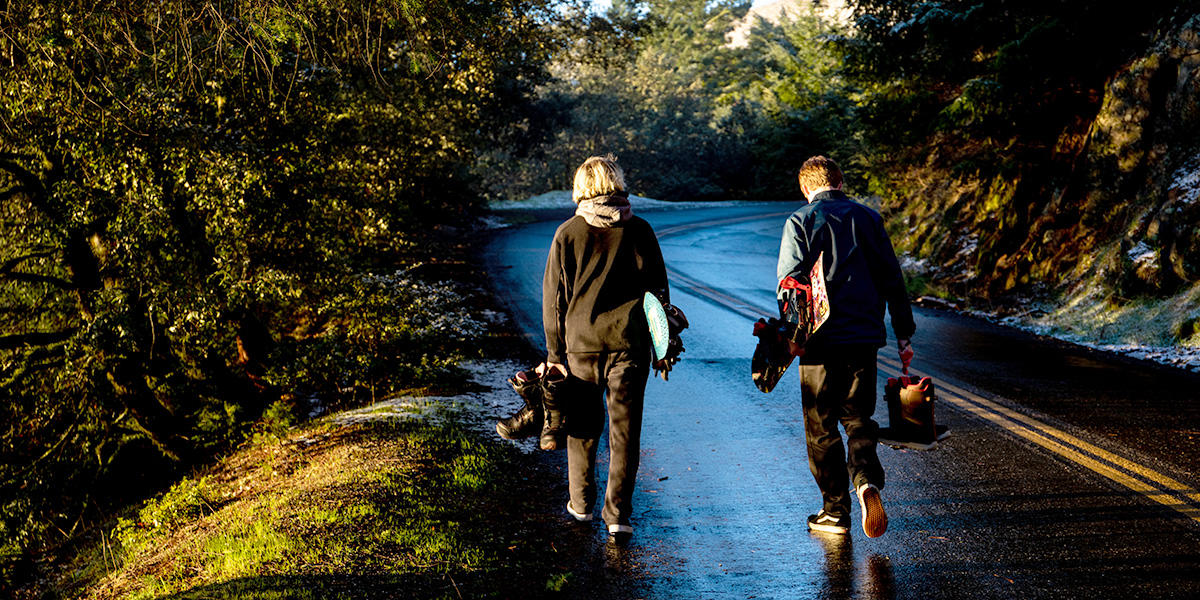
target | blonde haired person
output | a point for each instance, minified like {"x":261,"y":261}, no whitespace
{"x":602,"y":261}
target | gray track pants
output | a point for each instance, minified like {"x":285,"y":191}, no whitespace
{"x":623,"y":376}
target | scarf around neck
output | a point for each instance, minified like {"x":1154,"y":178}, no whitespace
{"x":606,"y":210}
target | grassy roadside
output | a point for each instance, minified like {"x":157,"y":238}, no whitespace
{"x":389,"y":507}
{"x":386,"y":508}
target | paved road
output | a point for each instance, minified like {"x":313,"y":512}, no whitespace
{"x":1069,"y":473}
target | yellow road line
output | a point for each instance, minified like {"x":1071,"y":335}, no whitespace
{"x":1055,"y":440}
{"x":1149,"y":474}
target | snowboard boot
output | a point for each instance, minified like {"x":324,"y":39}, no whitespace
{"x":527,"y":421}
{"x":554,"y":424}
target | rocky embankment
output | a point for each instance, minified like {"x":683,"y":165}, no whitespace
{"x":1099,"y":242}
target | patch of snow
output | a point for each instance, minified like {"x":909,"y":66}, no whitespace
{"x":1186,"y":180}
{"x":494,"y":222}
{"x":477,"y":409}
{"x":914,"y":265}
{"x":1187,"y":357}
{"x":1142,"y":254}
{"x":969,"y":248}
{"x":1184,"y":357}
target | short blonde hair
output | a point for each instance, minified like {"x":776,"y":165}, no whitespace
{"x":820,"y":171}
{"x":597,"y":176}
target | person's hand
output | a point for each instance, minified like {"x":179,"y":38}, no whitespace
{"x":663,"y":367}
{"x":906,"y":353}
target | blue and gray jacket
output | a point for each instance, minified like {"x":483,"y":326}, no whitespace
{"x":861,"y":271}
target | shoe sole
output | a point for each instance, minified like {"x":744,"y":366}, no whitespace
{"x":512,"y":434}
{"x":875,"y":521}
{"x":504,"y":432}
{"x":834,"y":529}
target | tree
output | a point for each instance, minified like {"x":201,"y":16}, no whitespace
{"x":195,"y":197}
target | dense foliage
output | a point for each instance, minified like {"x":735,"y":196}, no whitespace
{"x":1022,"y":139}
{"x":692,"y":116}
{"x":215,"y":214}
{"x":214,"y":209}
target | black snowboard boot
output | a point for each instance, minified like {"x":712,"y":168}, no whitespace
{"x":527,"y":421}
{"x":554,"y":427}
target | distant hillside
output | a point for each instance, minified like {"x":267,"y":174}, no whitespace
{"x":838,"y":11}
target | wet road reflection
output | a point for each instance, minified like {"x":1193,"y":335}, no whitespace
{"x":724,"y":488}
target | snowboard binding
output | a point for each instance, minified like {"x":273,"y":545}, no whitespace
{"x":676,"y":323}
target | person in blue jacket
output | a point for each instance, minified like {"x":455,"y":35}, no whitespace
{"x":837,"y":366}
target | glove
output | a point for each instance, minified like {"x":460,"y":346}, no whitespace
{"x":906,"y":353}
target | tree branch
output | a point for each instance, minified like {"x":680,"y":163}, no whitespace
{"x":35,"y":278}
{"x":16,"y":262}
{"x":37,"y":338}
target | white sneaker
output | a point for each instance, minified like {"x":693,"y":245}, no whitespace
{"x":874,"y":518}
{"x":578,"y":516}
{"x":617,"y":530}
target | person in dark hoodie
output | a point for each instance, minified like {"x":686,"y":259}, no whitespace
{"x":837,"y":365}
{"x":602,"y":261}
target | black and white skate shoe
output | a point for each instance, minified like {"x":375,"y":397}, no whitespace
{"x":827,"y":523}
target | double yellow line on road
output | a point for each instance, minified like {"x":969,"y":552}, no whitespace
{"x":1125,"y":472}
{"x":1169,"y":492}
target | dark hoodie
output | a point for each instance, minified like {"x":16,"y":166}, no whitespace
{"x":602,"y":261}
{"x":861,"y":271}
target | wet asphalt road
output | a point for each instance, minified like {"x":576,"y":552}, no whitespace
{"x":1068,"y":473}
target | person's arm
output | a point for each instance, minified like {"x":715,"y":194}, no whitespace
{"x":793,"y":251}
{"x":554,"y":305}
{"x":890,"y":281}
{"x":652,"y":266}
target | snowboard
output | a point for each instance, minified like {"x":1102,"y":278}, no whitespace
{"x":656,"y":320}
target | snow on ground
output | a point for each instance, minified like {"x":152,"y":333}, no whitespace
{"x":1141,"y":254}
{"x":1187,"y":181}
{"x":1184,"y":357}
{"x":908,"y":264}
{"x":477,"y":409}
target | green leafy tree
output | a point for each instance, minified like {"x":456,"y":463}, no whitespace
{"x":210,"y":207}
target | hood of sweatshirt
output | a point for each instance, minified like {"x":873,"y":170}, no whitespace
{"x":606,"y":210}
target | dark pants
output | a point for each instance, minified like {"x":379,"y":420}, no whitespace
{"x":841,"y":388}
{"x":623,"y":375}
